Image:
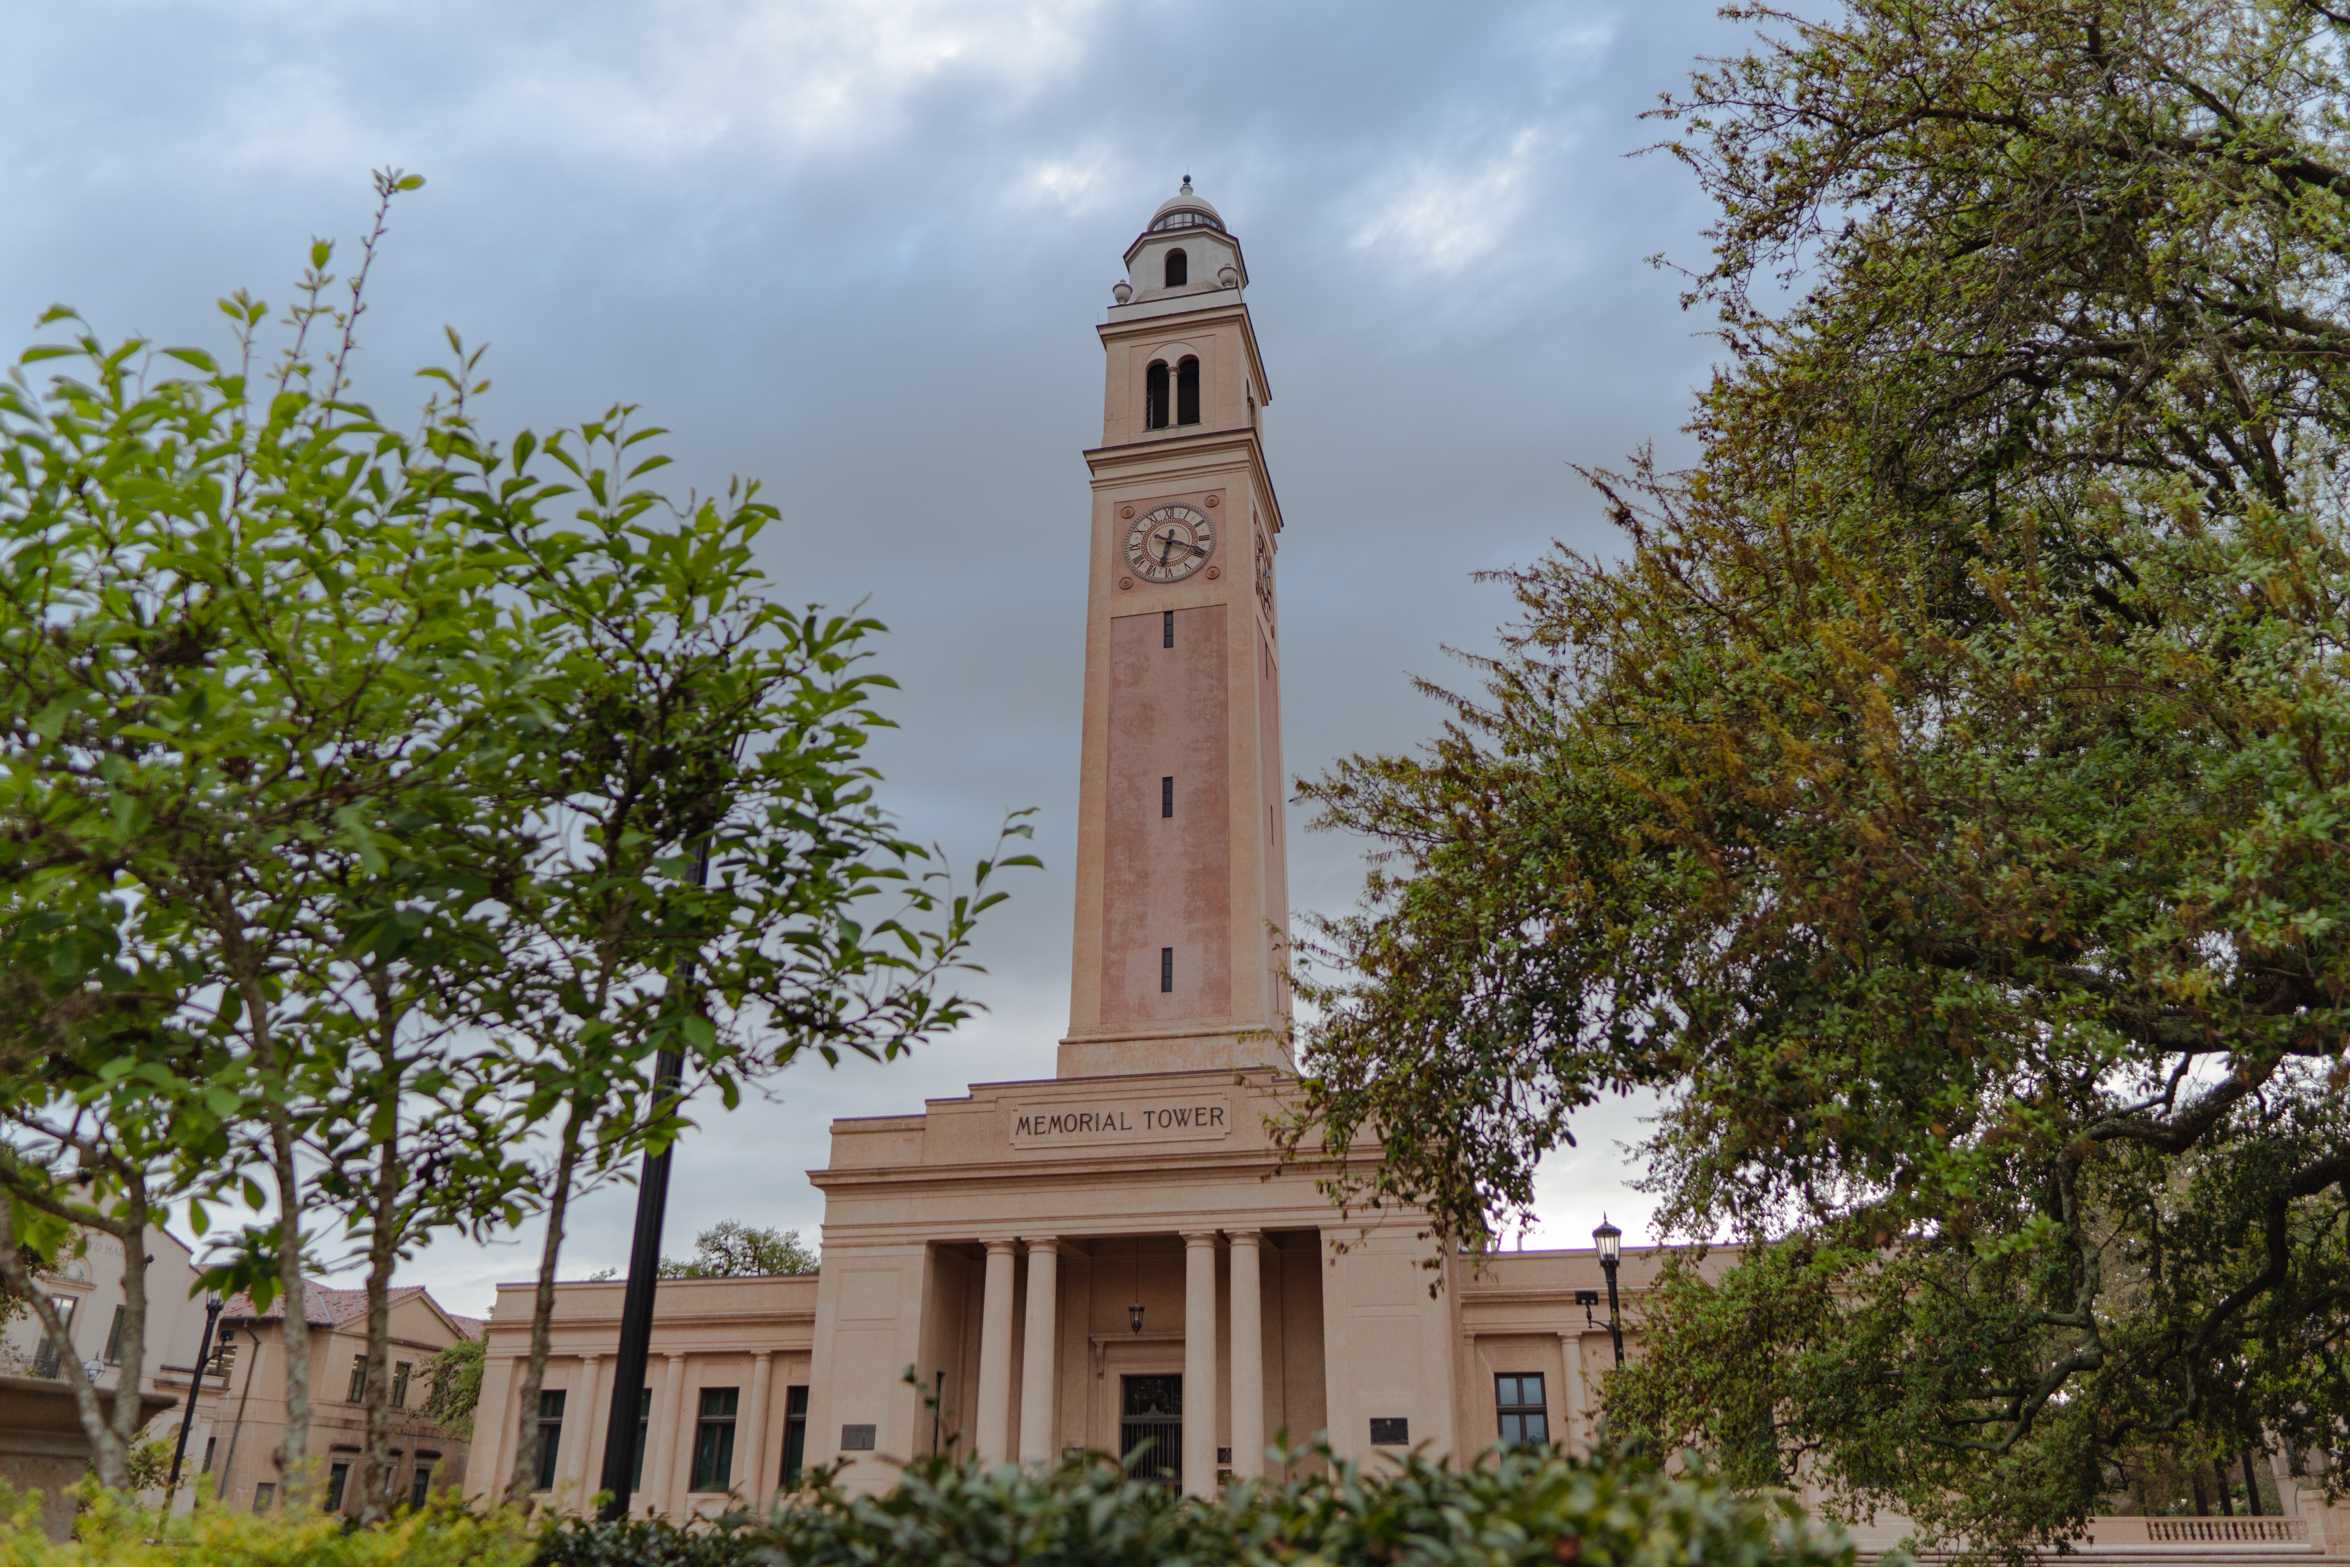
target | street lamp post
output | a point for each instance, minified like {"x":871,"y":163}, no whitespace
{"x":188,"y":1413}
{"x":644,"y":1273}
{"x":1610,"y":1242}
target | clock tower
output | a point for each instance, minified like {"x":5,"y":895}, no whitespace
{"x":1182,"y":892}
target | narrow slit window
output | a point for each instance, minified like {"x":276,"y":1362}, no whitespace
{"x":1187,"y":392}
{"x":1154,"y":396}
{"x":1167,"y":795}
{"x":1166,"y":628}
{"x":550,"y":1423}
{"x":1166,"y":970}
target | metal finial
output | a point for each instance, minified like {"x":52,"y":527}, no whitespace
{"x":1186,"y":185}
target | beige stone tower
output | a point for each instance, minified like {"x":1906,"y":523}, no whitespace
{"x":1182,"y":893}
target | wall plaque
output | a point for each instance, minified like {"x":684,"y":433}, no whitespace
{"x":1138,"y":1121}
{"x":856,"y":1439}
{"x":1391,"y":1431}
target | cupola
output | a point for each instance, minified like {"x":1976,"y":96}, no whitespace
{"x":1183,"y":250}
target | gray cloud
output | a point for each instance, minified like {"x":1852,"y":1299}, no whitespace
{"x":856,"y":249}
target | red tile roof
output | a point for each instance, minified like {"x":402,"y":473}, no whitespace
{"x":324,"y":1306}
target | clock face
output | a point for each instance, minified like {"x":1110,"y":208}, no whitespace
{"x":1169,"y":544}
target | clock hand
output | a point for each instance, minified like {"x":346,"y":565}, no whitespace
{"x":1166,"y":546}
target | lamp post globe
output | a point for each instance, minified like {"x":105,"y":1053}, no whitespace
{"x":1610,"y":1242}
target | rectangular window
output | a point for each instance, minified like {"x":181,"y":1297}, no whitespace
{"x":1166,"y":628}
{"x":1525,"y":1416}
{"x":264,"y":1494}
{"x":1167,"y":795}
{"x":210,"y":1443}
{"x":358,"y":1390}
{"x":337,"y":1477}
{"x":644,"y":1428}
{"x":114,"y":1336}
{"x":421,"y":1486}
{"x":714,"y":1440}
{"x":1166,"y":970}
{"x":401,"y":1371}
{"x":550,"y":1434}
{"x":795,"y":1433}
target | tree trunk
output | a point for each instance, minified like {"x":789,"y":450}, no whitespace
{"x":2251,"y":1485}
{"x":383,"y":1255}
{"x":294,"y":1456}
{"x":524,"y":1477}
{"x":131,"y":1352}
{"x":2202,"y":1499}
{"x":2227,"y":1505}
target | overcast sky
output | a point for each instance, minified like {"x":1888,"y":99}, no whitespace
{"x":856,"y":248}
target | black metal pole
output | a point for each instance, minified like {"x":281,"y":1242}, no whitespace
{"x":188,"y":1414}
{"x":1615,"y":1326}
{"x":644,"y":1272}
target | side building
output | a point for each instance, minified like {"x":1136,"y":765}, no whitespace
{"x":42,"y":1447}
{"x":239,"y":1435}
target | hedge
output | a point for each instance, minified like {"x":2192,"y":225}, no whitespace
{"x":1518,"y":1509}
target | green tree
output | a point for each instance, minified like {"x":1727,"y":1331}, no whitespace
{"x":373,"y":797}
{"x":718,"y":879}
{"x":1940,"y":802}
{"x":731,"y":1249}
{"x":230,"y":604}
{"x":452,"y":1386}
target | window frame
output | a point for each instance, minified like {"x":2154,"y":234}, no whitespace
{"x":550,"y":1424}
{"x":338,"y":1485}
{"x":795,"y":1435}
{"x":402,"y":1371}
{"x":644,"y":1438}
{"x":1515,"y":1408}
{"x":357,"y":1393}
{"x":1178,"y":267}
{"x":714,"y":1434}
{"x":1187,"y":390}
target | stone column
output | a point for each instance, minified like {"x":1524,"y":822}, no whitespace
{"x":584,"y":1408}
{"x":1038,"y":1387}
{"x":994,"y":1435}
{"x":662,"y":1490}
{"x":1574,"y":1421}
{"x":1199,"y":1362}
{"x":1248,"y":1357}
{"x":506,"y":1430}
{"x":751,"y":1477}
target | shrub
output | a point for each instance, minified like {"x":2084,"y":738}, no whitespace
{"x":1523,"y":1507}
{"x":1519,"y":1509}
{"x":114,"y":1532}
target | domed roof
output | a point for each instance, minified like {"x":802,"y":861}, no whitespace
{"x":1184,"y":210}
